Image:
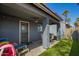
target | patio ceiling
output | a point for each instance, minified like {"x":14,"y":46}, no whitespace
{"x":15,"y":10}
{"x":25,"y":11}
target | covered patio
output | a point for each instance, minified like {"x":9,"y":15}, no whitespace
{"x":29,"y":26}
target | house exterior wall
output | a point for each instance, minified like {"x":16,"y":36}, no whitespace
{"x":9,"y":28}
{"x":34,"y":32}
{"x":62,"y":29}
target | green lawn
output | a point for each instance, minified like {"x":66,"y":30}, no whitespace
{"x":62,"y":48}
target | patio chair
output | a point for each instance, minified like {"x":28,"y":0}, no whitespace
{"x":7,"y":50}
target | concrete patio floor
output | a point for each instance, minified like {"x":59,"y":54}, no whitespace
{"x":39,"y":49}
{"x":35,"y":51}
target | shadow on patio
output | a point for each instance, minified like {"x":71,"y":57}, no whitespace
{"x":35,"y":48}
{"x":35,"y":44}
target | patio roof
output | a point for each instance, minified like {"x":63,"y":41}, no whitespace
{"x":36,"y":10}
{"x":48,"y":11}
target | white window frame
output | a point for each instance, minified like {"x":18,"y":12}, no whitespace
{"x":20,"y":30}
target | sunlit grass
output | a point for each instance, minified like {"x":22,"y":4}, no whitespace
{"x":62,"y":48}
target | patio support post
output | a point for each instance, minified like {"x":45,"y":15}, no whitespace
{"x":62,"y":30}
{"x":45,"y":34}
{"x":58,"y":31}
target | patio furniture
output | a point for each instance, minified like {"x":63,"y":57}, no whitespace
{"x":26,"y":43}
{"x":7,"y":50}
{"x":3,"y":39}
{"x":21,"y":49}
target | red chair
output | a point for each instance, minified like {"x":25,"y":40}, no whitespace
{"x":8,"y":50}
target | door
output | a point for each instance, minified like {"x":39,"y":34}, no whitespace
{"x":24,"y":31}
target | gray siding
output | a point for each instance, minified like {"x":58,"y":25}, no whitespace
{"x":9,"y":28}
{"x":34,"y":33}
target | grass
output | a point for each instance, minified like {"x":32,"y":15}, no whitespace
{"x":62,"y":48}
{"x":75,"y":48}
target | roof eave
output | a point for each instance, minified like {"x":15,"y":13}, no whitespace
{"x":47,"y":10}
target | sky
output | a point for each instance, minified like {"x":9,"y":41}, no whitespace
{"x":60,"y":7}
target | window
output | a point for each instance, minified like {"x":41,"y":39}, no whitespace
{"x":40,"y":28}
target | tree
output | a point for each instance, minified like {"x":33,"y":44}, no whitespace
{"x":65,"y":14}
{"x":77,"y":19}
{"x":68,"y":20}
{"x":77,"y":22}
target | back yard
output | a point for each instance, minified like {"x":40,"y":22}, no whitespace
{"x":65,"y":47}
